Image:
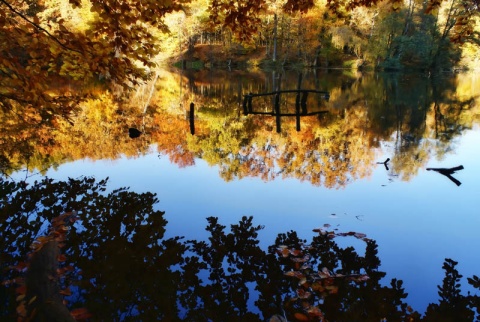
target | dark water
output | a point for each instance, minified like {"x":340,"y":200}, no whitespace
{"x":330,"y":169}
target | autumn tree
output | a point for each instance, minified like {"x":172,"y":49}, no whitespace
{"x":38,"y":50}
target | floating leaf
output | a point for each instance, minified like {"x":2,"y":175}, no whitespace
{"x":305,"y":266}
{"x":332,"y":289}
{"x":300,"y":259}
{"x":295,"y":252}
{"x":66,"y":292}
{"x":21,"y":310}
{"x":296,"y":274}
{"x":81,"y":314}
{"x":302,"y":281}
{"x":32,"y":300}
{"x":317,"y":287}
{"x":284,"y":251}
{"x":360,"y":235}
{"x":315,"y":312}
{"x":361,"y":278}
{"x":301,"y":317}
{"x":303,"y":294}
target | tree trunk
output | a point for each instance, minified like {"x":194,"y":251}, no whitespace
{"x":43,"y":289}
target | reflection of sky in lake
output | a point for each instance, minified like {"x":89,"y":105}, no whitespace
{"x":417,"y":224}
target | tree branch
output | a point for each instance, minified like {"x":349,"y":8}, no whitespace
{"x":37,"y":26}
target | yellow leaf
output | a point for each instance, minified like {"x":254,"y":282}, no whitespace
{"x":32,"y":300}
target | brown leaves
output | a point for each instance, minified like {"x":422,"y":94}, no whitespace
{"x":41,"y":52}
{"x":66,"y":292}
{"x":81,"y":314}
{"x":242,"y":17}
{"x":292,"y":6}
{"x":315,"y":284}
{"x":57,"y":232}
{"x":332,"y":234}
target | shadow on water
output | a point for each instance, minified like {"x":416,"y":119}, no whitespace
{"x":109,"y":260}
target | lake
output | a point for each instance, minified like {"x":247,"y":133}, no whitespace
{"x":322,"y":165}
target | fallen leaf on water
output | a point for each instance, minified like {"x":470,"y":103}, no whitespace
{"x":21,"y":310}
{"x":66,"y":292}
{"x":300,"y":317}
{"x":303,"y":294}
{"x":285,"y":252}
{"x":315,"y":311}
{"x":294,"y":274}
{"x":361,"y":278}
{"x":360,"y":235}
{"x":295,"y":252}
{"x":300,"y":259}
{"x":32,"y":300}
{"x":81,"y":314}
{"x":332,"y":289}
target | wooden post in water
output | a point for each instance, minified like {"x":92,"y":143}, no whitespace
{"x":297,"y":102}
{"x":297,"y":111}
{"x":245,"y":101}
{"x":250,"y":107}
{"x":304,"y":103}
{"x":277,"y":113}
{"x":192,"y":118}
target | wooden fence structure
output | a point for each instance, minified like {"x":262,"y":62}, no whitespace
{"x":300,"y":105}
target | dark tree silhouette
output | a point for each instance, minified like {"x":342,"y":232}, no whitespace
{"x":117,"y":264}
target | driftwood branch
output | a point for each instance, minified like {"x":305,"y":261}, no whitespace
{"x":385,"y":163}
{"x":447,"y":172}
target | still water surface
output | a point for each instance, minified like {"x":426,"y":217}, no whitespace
{"x":329,"y":172}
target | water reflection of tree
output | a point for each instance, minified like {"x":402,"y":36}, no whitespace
{"x":123,"y":268}
{"x":421,"y":117}
{"x":97,"y":130}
